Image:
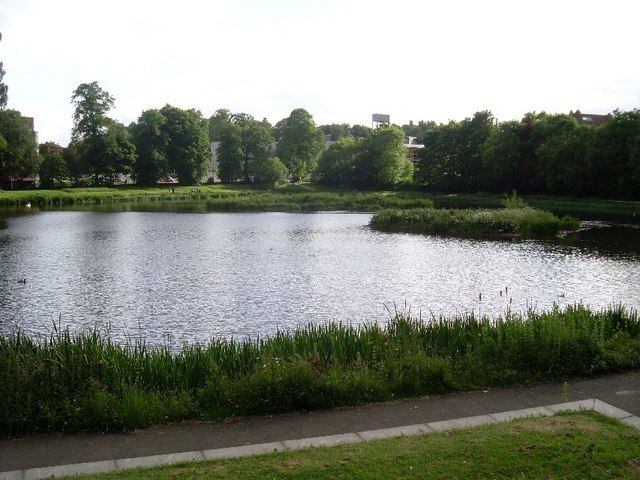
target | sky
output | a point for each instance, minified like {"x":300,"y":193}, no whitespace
{"x":341,"y":60}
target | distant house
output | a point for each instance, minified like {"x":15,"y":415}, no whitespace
{"x":413,"y":145}
{"x":592,"y":119}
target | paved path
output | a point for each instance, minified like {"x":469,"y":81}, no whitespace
{"x":23,"y":458}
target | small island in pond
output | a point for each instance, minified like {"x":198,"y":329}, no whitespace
{"x":519,"y":222}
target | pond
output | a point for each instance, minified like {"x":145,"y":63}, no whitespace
{"x":183,"y":278}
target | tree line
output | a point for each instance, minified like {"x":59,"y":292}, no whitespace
{"x":542,"y":153}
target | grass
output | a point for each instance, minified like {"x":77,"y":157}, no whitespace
{"x":240,"y":197}
{"x":513,"y":222}
{"x":568,"y":205}
{"x":581,"y":445}
{"x":293,"y":198}
{"x":71,"y":382}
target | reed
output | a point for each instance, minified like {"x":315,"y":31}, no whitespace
{"x":220,"y":198}
{"x":518,"y":222}
{"x":70,"y":382}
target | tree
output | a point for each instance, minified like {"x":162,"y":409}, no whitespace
{"x":52,"y":166}
{"x":73,"y":158}
{"x":90,"y":125}
{"x":4,"y":90}
{"x":245,"y":144}
{"x":452,"y":157}
{"x":300,"y":143}
{"x":269,"y":172}
{"x":150,"y":141}
{"x":360,"y":131}
{"x":339,"y":163}
{"x":230,"y":159}
{"x":385,"y":163}
{"x":614,"y":163}
{"x":335,"y":130}
{"x":500,"y":156}
{"x":437,"y":162}
{"x":217,"y":123}
{"x":419,"y":131}
{"x":90,"y":114}
{"x":19,"y":158}
{"x":188,"y":148}
{"x":118,"y":153}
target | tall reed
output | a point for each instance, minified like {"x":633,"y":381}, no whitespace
{"x":68,"y":382}
{"x":507,"y":221}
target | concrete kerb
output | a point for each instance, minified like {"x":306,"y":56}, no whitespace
{"x":325,"y":441}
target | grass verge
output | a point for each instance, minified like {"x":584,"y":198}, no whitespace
{"x":581,"y":445}
{"x":70,"y":382}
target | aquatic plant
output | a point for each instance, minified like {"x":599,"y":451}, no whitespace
{"x":69,"y":382}
{"x":518,"y":222}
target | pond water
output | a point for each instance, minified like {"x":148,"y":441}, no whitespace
{"x":172,"y":278}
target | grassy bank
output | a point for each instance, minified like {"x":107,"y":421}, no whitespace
{"x":71,"y":382}
{"x":520,"y":222}
{"x":221,"y":198}
{"x":584,"y":445}
{"x":582,"y":207}
{"x":247,"y":198}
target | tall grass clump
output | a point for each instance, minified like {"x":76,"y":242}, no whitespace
{"x":515,"y":222}
{"x":70,"y":382}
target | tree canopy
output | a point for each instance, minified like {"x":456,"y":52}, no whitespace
{"x":188,"y":148}
{"x":150,"y":139}
{"x":300,"y":143}
{"x":19,"y":158}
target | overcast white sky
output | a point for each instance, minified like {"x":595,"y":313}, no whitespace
{"x":341,"y":60}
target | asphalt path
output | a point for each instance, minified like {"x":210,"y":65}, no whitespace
{"x":620,"y":390}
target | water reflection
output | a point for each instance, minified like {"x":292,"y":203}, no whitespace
{"x":192,"y":277}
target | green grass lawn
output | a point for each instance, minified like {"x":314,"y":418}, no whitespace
{"x":579,"y":445}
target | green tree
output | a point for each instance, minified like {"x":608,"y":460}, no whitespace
{"x":245,"y":144}
{"x":188,"y":147}
{"x":4,"y":98}
{"x":4,"y":90}
{"x":561,"y":150}
{"x":230,"y":157}
{"x":614,"y":163}
{"x":269,"y":172}
{"x":74,"y":160}
{"x":500,"y":156}
{"x":150,"y":141}
{"x":118,"y":153}
{"x":437,"y":162}
{"x":385,"y":163}
{"x":217,"y":122}
{"x":53,"y":167}
{"x":19,"y":158}
{"x":90,"y":125}
{"x":91,"y":105}
{"x":419,"y":131}
{"x":300,"y":143}
{"x":452,"y":157}
{"x":360,"y":131}
{"x":338,"y":165}
{"x":335,"y":130}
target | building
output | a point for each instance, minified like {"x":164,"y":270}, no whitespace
{"x":592,"y":119}
{"x":412,"y":145}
